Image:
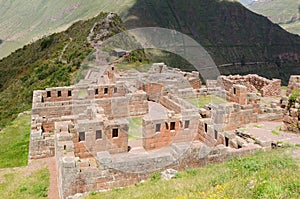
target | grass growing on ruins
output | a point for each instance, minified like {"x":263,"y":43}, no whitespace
{"x":135,"y":128}
{"x":139,"y":66}
{"x":18,"y":184}
{"x":15,"y":142}
{"x":276,"y":131}
{"x":271,"y":174}
{"x":201,"y":101}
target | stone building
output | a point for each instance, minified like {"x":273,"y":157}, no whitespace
{"x":87,"y":126}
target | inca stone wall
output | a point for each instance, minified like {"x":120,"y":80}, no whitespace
{"x":253,"y":83}
{"x":291,"y":121}
{"x":294,"y":84}
{"x":106,"y":175}
{"x":291,"y":103}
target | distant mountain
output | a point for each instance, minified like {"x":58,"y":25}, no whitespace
{"x":226,"y":29}
{"x":247,"y":2}
{"x":22,"y":21}
{"x":285,"y":13}
{"x":48,"y":62}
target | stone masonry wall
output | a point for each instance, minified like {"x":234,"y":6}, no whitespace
{"x":294,"y":84}
{"x":291,"y":119}
{"x":272,"y":89}
{"x":239,"y":115}
{"x":41,"y":144}
{"x":78,"y":179}
{"x":253,"y":83}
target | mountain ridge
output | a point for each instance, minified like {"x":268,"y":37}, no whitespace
{"x":228,"y":31}
{"x":222,"y":27}
{"x":285,"y":13}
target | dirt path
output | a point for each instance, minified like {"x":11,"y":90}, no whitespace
{"x":50,"y":163}
{"x":63,"y":51}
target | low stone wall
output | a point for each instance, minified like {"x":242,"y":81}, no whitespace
{"x":238,"y":115}
{"x":208,"y":135}
{"x":105,"y":176}
{"x":294,"y":84}
{"x":41,"y":143}
{"x":272,"y":89}
{"x":291,"y":119}
{"x":253,"y":83}
{"x":171,"y":104}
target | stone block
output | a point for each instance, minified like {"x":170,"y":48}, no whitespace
{"x":104,"y":157}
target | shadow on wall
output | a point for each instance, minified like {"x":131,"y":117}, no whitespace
{"x":1,"y":41}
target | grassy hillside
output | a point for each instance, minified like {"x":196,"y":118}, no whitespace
{"x":20,"y":182}
{"x":221,"y":26}
{"x":271,"y":174}
{"x":15,"y":143}
{"x":281,"y":12}
{"x":22,"y":22}
{"x":25,"y":184}
{"x":38,"y":65}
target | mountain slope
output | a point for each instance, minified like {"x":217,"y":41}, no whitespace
{"x":22,"y":22}
{"x":48,"y":62}
{"x":226,"y":29}
{"x":285,"y":13}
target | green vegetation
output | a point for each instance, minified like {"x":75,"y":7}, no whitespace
{"x":139,"y":66}
{"x":135,"y":128}
{"x":271,"y":174}
{"x":276,"y":131}
{"x":22,"y":23}
{"x":19,"y":184}
{"x":203,"y":100}
{"x":45,"y":63}
{"x":294,"y":96}
{"x":258,"y":126}
{"x":15,"y":143}
{"x":281,"y":12}
{"x":38,"y":65}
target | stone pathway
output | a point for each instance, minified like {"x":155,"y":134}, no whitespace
{"x":269,"y":132}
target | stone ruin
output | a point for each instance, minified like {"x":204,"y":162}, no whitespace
{"x":291,"y":120}
{"x":253,"y":84}
{"x":294,"y":84}
{"x":88,"y":126}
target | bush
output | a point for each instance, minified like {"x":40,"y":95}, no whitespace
{"x":192,"y":172}
{"x":155,"y":177}
{"x":293,"y":96}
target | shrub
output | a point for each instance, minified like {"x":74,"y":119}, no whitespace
{"x":192,"y":172}
{"x":155,"y":177}
{"x":293,"y":96}
{"x":178,"y":175}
